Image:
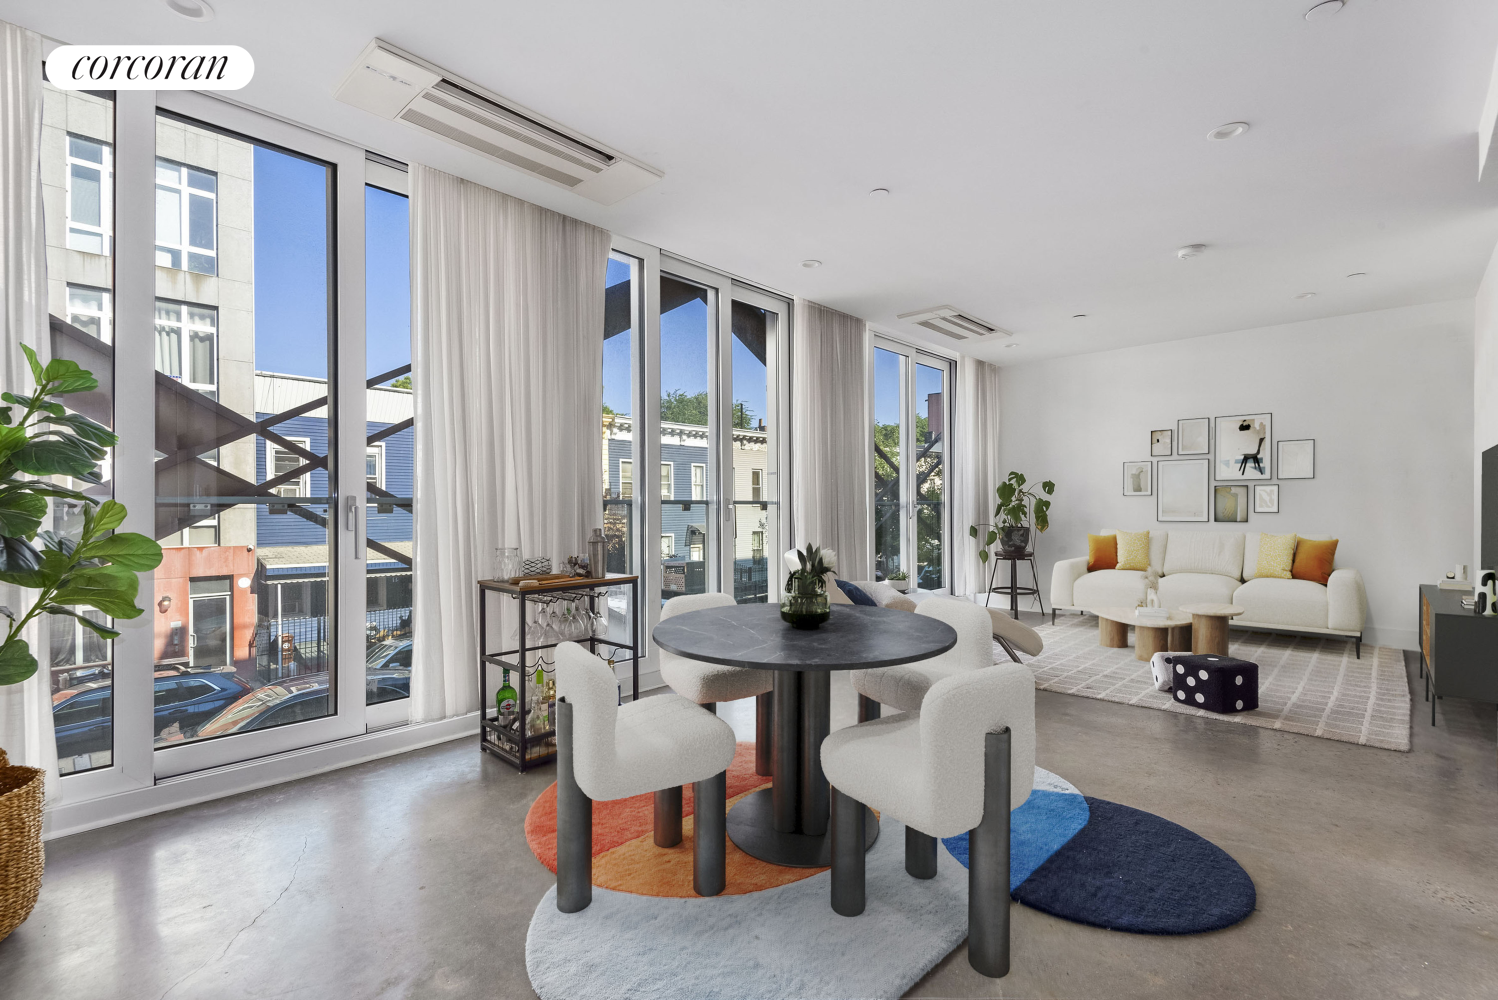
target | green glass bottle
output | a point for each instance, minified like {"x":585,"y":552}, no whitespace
{"x":543,"y":721}
{"x":506,"y":701}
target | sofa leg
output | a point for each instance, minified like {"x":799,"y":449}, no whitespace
{"x":710,"y":834}
{"x":668,"y":817}
{"x":1359,"y":646}
{"x":764,"y":735}
{"x":847,"y":855}
{"x":868,"y":709}
{"x":920,"y":854}
{"x":574,"y":824}
{"x":988,"y":866}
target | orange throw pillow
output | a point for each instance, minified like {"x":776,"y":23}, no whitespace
{"x":1313,"y":560}
{"x":1102,"y":552}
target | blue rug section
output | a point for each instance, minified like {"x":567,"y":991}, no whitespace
{"x":1037,"y":830}
{"x":1129,"y":870}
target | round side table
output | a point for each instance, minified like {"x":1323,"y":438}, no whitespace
{"x":1209,"y":626}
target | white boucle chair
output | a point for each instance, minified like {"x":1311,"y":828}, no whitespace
{"x":958,"y":765}
{"x":902,"y":687}
{"x":709,"y":683}
{"x":608,"y":751}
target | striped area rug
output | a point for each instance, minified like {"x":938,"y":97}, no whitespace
{"x":1308,"y":685}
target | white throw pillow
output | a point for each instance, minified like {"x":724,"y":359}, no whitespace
{"x":1219,"y":552}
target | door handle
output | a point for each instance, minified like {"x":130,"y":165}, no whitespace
{"x":351,"y":523}
{"x":192,"y":640}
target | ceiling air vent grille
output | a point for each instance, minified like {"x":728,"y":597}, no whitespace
{"x":401,"y":87}
{"x":953,"y":322}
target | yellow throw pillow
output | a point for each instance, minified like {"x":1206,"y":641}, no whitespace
{"x":1276,"y":556}
{"x":1102,"y":552}
{"x":1134,"y":550}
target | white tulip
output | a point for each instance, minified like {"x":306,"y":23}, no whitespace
{"x":792,"y":563}
{"x":829,"y":557}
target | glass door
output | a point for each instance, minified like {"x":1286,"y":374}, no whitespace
{"x":912,"y":409}
{"x":752,"y":428}
{"x":686,"y":461}
{"x":266,"y":471}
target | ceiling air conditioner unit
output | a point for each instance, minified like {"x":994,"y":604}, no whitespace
{"x":397,"y":85}
{"x":953,"y":323}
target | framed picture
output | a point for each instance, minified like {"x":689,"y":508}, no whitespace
{"x":1194,"y":436}
{"x":1243,"y":447}
{"x":1138,"y":480}
{"x":1267,"y":498}
{"x":1297,"y":459}
{"x":1160,"y":443}
{"x":1230,"y":503}
{"x":1183,"y":490}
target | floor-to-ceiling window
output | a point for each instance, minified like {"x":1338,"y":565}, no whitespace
{"x":78,"y":189}
{"x":911,"y":415}
{"x":688,"y":378}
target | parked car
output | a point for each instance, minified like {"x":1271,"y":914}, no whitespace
{"x":390,"y":655}
{"x":298,"y":699}
{"x":83,"y":714}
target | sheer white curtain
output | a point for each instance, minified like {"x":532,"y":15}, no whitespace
{"x":975,"y":467}
{"x":507,"y":346}
{"x":831,"y":435}
{"x":25,"y":708}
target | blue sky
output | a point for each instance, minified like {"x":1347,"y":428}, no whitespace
{"x":291,"y":270}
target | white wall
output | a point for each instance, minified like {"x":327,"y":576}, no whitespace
{"x":1388,"y":397}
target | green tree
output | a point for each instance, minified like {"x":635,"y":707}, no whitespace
{"x":404,"y":382}
{"x":678,"y":407}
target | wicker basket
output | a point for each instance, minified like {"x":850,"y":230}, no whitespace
{"x":20,"y":843}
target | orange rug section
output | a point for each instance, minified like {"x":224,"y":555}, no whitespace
{"x":625,"y":857}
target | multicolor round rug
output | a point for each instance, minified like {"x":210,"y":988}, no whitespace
{"x":772,"y":933}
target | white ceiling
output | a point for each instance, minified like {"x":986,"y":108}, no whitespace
{"x":1045,"y":158}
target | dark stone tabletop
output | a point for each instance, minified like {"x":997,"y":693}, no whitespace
{"x":854,"y":638}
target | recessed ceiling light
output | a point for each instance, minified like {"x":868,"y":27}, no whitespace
{"x":1306,"y":295}
{"x":193,"y":10}
{"x":1229,"y":131}
{"x":811,"y":263}
{"x":1325,"y":10}
{"x":1191,"y":250}
{"x":1011,"y":344}
{"x":1080,"y":316}
{"x":1358,"y":274}
{"x":879,"y":193}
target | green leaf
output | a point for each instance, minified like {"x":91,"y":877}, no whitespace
{"x":12,"y":439}
{"x":36,"y":366}
{"x":993,"y":536}
{"x":126,"y":550}
{"x":972,"y":530}
{"x":16,"y":661}
{"x":983,"y":555}
{"x":1006,"y":493}
{"x":109,"y":516}
{"x":18,"y":557}
{"x":99,"y":628}
{"x":64,"y":376}
{"x":21,"y":514}
{"x":55,"y":542}
{"x":1048,"y":486}
{"x":85,"y":428}
{"x":110,"y":600}
{"x":1019,"y":479}
{"x":57,"y":456}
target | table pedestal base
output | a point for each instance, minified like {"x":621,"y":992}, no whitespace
{"x":1209,"y":634}
{"x":751,"y":827}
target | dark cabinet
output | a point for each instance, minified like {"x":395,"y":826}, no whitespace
{"x":1458,"y":649}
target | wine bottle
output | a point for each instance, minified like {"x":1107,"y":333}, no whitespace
{"x":506,"y":701}
{"x":540,"y":715}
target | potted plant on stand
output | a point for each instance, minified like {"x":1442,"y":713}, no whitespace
{"x":88,"y":565}
{"x":1018,"y":508}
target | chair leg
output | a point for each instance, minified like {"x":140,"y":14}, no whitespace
{"x":988,"y":866}
{"x":920,"y":854}
{"x":1008,"y":649}
{"x":847,"y":855}
{"x":668,"y":817}
{"x":711,"y":706}
{"x":764,"y":748}
{"x":868,"y":709}
{"x":574,"y":824}
{"x":710,"y":834}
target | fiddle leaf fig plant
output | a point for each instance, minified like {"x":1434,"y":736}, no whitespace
{"x":94,"y":568}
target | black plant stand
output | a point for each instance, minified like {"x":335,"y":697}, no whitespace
{"x":1014,"y":590}
{"x":518,"y":749}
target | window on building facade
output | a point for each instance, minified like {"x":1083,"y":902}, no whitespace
{"x":280,"y":461}
{"x":699,"y":481}
{"x":90,"y":183}
{"x":374,"y":465}
{"x":666,"y":487}
{"x":626,"y":479}
{"x":187,"y":344}
{"x":668,"y":546}
{"x":756,"y":485}
{"x":89,"y":309}
{"x":186,"y":217}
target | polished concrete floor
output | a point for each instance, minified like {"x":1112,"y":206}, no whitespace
{"x":1377,"y":875}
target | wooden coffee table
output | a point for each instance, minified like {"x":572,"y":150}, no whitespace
{"x":1171,"y":634}
{"x":1209,"y":626}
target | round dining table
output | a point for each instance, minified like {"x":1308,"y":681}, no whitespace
{"x":786,"y":824}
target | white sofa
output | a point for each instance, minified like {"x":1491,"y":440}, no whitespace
{"x":1218,"y":567}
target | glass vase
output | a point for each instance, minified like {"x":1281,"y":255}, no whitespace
{"x":805,"y":604}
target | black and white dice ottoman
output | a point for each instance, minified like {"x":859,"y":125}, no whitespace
{"x":1221,"y":684}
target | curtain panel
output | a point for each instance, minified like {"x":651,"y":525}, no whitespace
{"x":975,"y":468}
{"x":831,"y":436}
{"x":507,"y":305}
{"x":25,"y":708}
